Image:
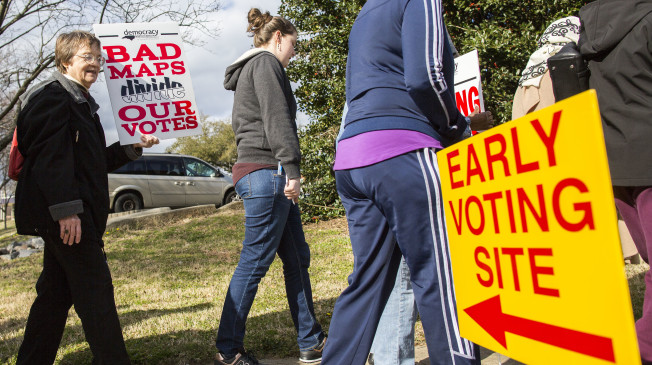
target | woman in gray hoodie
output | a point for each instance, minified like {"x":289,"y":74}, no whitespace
{"x":267,"y":177}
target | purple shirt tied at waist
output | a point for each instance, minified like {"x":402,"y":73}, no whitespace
{"x":372,"y":147}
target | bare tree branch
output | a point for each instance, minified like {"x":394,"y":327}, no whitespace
{"x":4,"y":7}
{"x":103,"y":10}
{"x":5,"y":180}
{"x":5,"y":140}
{"x":29,"y":10}
{"x":12,"y":40}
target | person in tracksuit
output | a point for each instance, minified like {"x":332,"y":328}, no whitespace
{"x":401,"y":110}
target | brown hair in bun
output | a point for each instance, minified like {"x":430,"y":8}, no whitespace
{"x":262,"y":26}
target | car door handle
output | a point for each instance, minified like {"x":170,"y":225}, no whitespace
{"x":190,"y":183}
{"x":178,"y":183}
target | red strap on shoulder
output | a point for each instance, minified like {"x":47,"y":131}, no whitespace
{"x":15,"y":159}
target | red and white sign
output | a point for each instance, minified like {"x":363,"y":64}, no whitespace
{"x":149,"y":83}
{"x":468,"y":85}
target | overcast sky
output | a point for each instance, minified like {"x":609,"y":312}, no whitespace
{"x":206,"y":65}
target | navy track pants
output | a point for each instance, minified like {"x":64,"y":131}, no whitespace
{"x":395,"y":207}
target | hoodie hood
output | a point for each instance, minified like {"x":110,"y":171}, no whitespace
{"x":232,"y":72}
{"x":606,"y":22}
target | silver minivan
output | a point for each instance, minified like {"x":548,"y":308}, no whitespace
{"x":168,"y":180}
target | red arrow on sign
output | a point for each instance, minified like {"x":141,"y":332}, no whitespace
{"x":489,"y":315}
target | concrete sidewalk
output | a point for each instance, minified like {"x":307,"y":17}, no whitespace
{"x":420,"y":356}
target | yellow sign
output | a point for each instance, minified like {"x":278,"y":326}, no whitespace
{"x":537,"y":263}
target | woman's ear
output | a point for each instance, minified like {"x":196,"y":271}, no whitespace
{"x":277,"y":34}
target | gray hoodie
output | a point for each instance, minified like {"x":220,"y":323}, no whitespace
{"x":264,"y":111}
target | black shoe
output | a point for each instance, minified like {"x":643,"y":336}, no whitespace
{"x":242,"y":358}
{"x":313,"y":355}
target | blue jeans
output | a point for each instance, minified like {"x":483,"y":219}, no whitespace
{"x":394,"y":340}
{"x":272,"y":226}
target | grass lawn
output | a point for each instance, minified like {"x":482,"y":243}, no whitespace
{"x":8,"y":232}
{"x":170,"y":284}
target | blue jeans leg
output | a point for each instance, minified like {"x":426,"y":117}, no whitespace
{"x":394,"y":340}
{"x":295,"y":255}
{"x":269,"y":219}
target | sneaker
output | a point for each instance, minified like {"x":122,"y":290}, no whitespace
{"x":313,"y":355}
{"x":242,"y":358}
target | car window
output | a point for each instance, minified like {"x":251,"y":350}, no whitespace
{"x":166,"y":166}
{"x":136,"y":167}
{"x":199,"y":168}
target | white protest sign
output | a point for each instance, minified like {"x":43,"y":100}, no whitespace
{"x":468,"y":86}
{"x":149,"y":84}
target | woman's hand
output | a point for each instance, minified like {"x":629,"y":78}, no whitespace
{"x":292,"y":189}
{"x":70,"y":229}
{"x":146,"y":141}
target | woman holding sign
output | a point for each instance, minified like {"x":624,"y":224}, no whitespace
{"x":267,"y":178}
{"x":399,"y":91}
{"x":62,"y":196}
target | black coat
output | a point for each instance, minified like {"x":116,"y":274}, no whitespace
{"x":66,"y":160}
{"x":616,"y":38}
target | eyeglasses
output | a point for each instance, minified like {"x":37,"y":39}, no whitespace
{"x":90,"y":59}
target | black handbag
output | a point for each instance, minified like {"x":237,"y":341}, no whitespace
{"x":568,"y":71}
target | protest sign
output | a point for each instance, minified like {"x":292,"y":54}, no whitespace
{"x":468,"y":85}
{"x":148,"y":80}
{"x":537,"y":263}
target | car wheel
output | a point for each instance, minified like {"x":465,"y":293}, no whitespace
{"x":127,"y":202}
{"x":231,"y":196}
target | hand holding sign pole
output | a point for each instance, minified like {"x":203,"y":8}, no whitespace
{"x":148,"y":81}
{"x":536,"y":257}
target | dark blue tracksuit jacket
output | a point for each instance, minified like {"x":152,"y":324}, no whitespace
{"x":406,"y":73}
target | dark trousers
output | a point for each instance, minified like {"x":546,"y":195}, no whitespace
{"x":395,"y":207}
{"x":78,"y":275}
{"x":635,"y":206}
